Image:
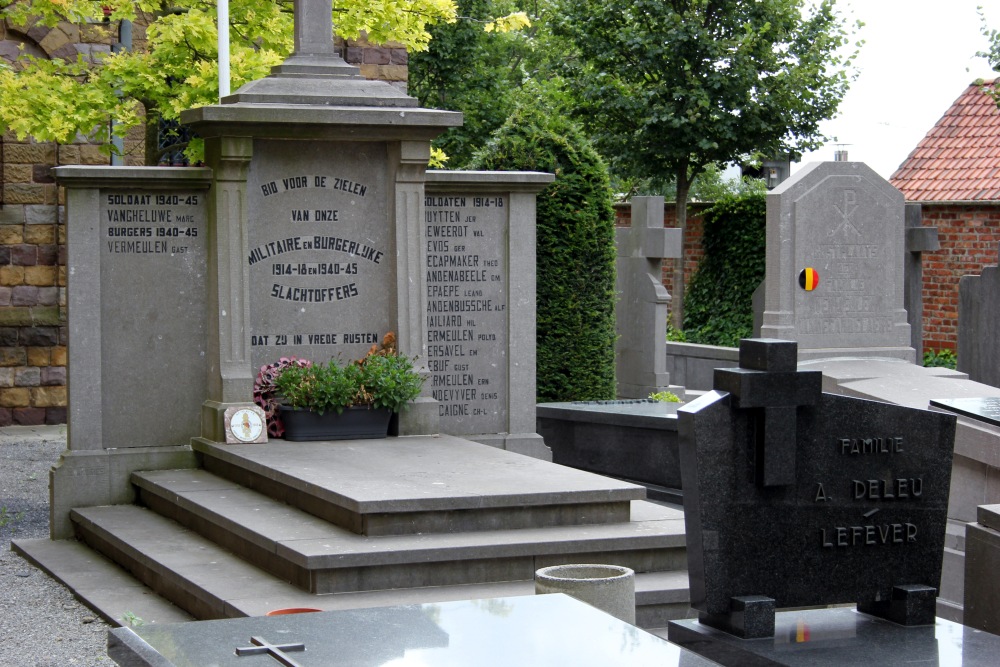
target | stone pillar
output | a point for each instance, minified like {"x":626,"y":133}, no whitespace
{"x":919,"y":239}
{"x":982,"y":561}
{"x":230,"y":376}
{"x":643,"y":302}
{"x":421,"y":417}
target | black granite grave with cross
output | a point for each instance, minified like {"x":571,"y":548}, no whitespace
{"x":794,"y":497}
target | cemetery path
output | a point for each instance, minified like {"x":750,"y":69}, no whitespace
{"x":41,"y":624}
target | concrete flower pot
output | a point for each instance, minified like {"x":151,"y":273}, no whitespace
{"x":610,"y":588}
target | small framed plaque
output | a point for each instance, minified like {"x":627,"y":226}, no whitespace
{"x":245,"y":424}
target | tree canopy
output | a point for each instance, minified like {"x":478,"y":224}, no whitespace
{"x":667,"y":88}
{"x":55,"y":100}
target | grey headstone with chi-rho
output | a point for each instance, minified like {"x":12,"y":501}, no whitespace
{"x":794,"y":497}
{"x":836,"y":241}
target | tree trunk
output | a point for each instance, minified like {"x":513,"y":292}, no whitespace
{"x":152,"y":152}
{"x":680,"y":212}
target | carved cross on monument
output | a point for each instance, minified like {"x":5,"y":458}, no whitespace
{"x":768,"y":383}
{"x":277,"y":651}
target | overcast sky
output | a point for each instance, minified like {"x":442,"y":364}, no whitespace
{"x":918,"y":57}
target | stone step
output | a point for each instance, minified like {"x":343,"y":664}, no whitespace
{"x":322,"y":558}
{"x":112,"y":593}
{"x":421,"y":484}
{"x":210,"y":582}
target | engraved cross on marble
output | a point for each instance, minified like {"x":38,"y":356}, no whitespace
{"x":277,"y":651}
{"x":768,"y":383}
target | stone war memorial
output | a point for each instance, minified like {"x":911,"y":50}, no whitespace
{"x":314,"y":230}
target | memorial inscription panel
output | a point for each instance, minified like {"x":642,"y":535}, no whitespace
{"x":321,"y":250}
{"x":845,"y":236}
{"x":153,"y":296}
{"x":467,"y":300}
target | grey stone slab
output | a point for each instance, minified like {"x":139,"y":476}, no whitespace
{"x":97,"y":582}
{"x":313,"y":544}
{"x":834,"y":637}
{"x":423,"y":473}
{"x":542,"y":630}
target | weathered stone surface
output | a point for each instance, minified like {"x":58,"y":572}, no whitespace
{"x":978,"y":314}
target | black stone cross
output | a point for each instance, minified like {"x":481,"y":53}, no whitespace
{"x":769,"y":383}
{"x":276,"y":651}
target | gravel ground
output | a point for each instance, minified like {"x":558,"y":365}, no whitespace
{"x":41,"y":624}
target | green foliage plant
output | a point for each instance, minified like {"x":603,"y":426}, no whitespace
{"x":664,"y":397}
{"x":575,"y":252}
{"x":940,"y":358}
{"x":718,"y":309}
{"x":382,"y":379}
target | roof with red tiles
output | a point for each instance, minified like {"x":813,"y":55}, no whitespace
{"x":959,"y":159}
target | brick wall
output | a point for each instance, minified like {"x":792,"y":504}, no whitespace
{"x":969,"y":236}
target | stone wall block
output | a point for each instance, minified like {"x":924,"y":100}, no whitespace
{"x":8,"y":336}
{"x":9,"y":235}
{"x":46,"y":396}
{"x":40,"y":234}
{"x":7,"y":377}
{"x":24,"y":254}
{"x":25,"y":193}
{"x":40,"y":275}
{"x":29,"y":153}
{"x":28,"y":376}
{"x":91,"y":154}
{"x":45,"y":336}
{"x":69,"y":155}
{"x":41,"y":173}
{"x":24,"y":295}
{"x":12,"y":215}
{"x":6,"y":417}
{"x":6,"y":293}
{"x":13,"y":356}
{"x":39,"y":356}
{"x":48,"y":296}
{"x":376,"y":56}
{"x":15,"y":397}
{"x":47,"y":254}
{"x":11,"y":275}
{"x":399,"y":57}
{"x":41,"y":214}
{"x":53,"y":376}
{"x":55,"y":415}
{"x":59,"y":355}
{"x":4,"y":254}
{"x":18,"y":173}
{"x":29,"y":416}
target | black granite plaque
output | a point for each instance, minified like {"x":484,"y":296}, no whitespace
{"x":858,"y":515}
{"x":985,"y":409}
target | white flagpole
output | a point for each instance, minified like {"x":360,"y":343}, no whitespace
{"x":223,"y":20}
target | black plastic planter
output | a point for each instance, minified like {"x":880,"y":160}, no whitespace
{"x":358,"y":421}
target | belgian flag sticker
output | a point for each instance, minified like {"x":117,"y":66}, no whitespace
{"x":808,"y":279}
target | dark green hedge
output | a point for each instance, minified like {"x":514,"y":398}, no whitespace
{"x":718,"y":306}
{"x":576,"y":252}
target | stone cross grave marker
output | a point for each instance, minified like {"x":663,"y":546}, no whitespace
{"x":643,"y":302}
{"x":838,"y":500}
